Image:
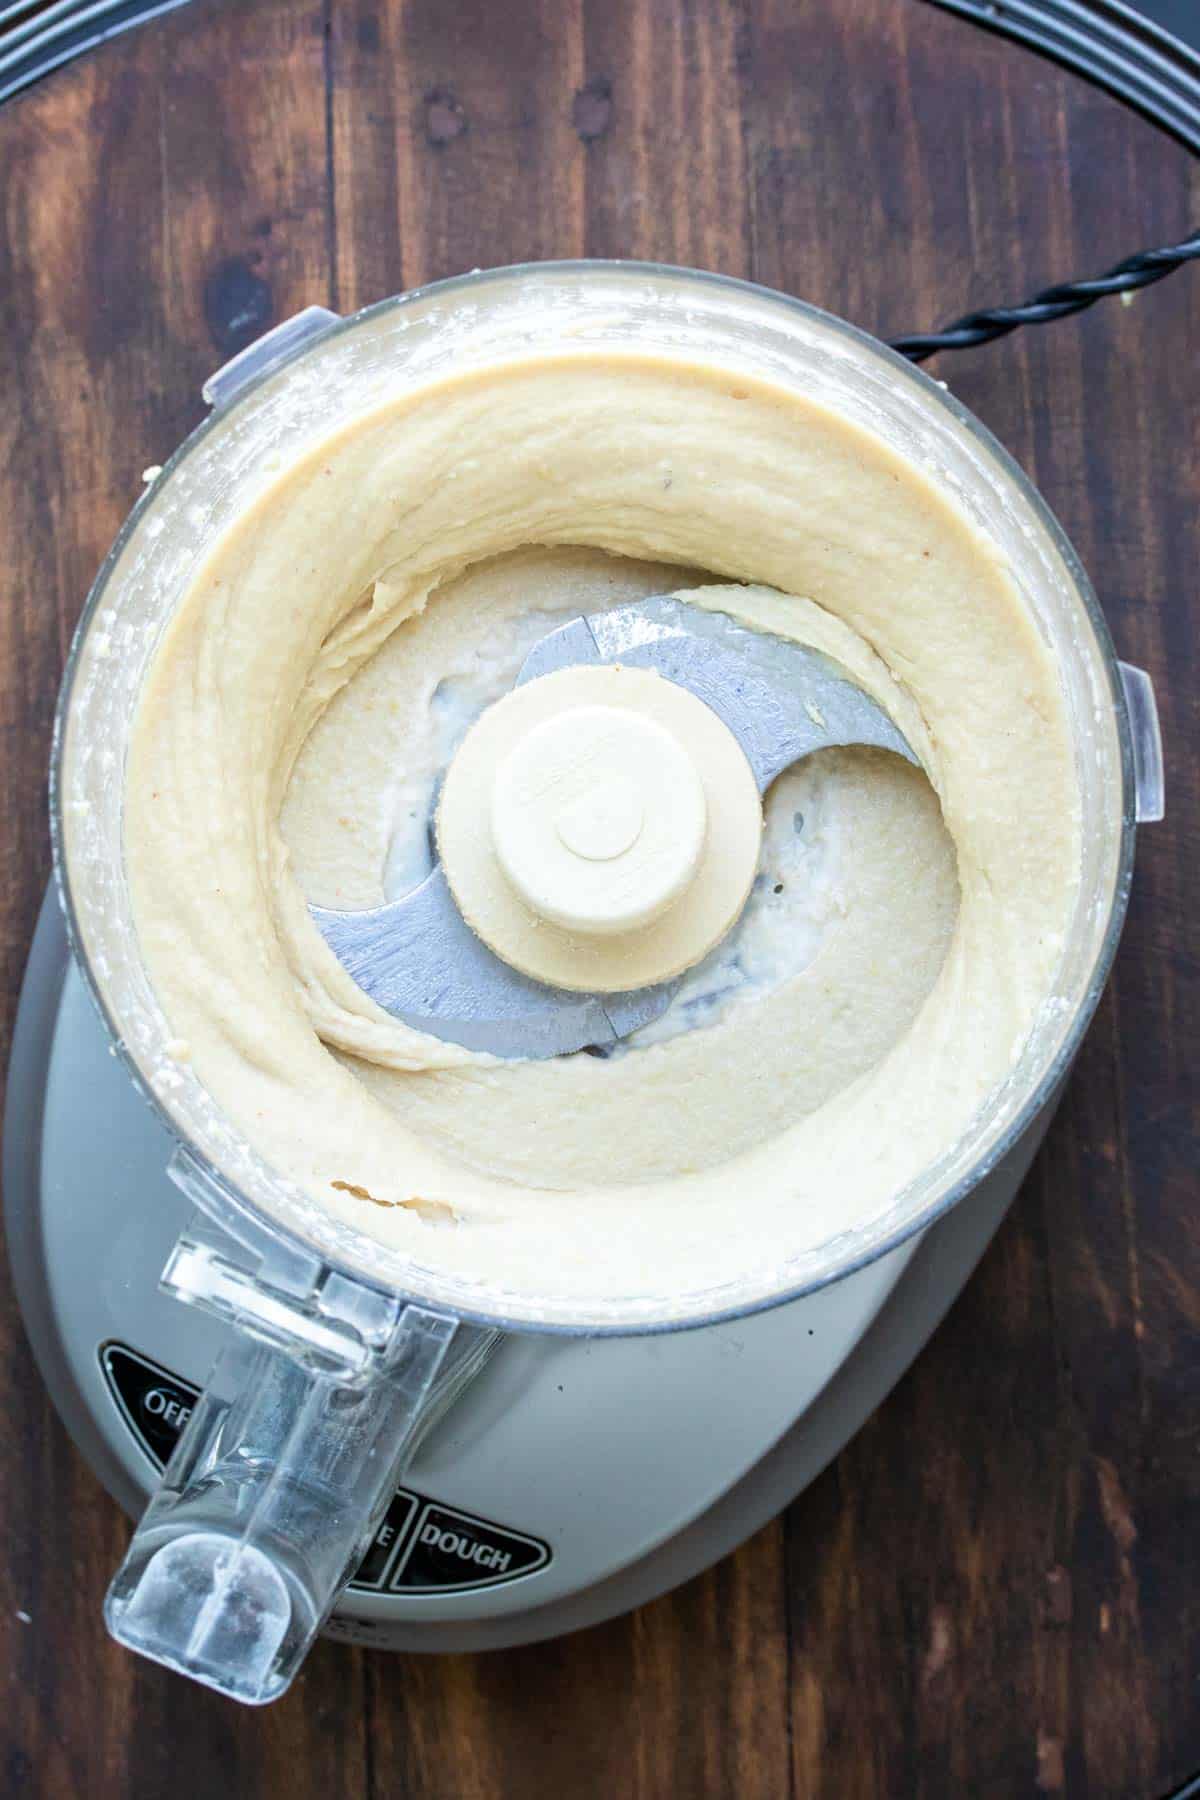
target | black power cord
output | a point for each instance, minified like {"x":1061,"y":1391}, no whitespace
{"x":1139,"y":271}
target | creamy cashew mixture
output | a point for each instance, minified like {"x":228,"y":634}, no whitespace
{"x":904,"y":925}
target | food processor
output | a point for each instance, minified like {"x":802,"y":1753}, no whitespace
{"x":388,"y":1451}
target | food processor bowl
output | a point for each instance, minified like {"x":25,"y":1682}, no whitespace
{"x":343,"y":1344}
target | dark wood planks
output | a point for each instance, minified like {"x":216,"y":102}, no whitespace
{"x":157,"y":195}
{"x":1041,"y":1556}
{"x":993,"y":1592}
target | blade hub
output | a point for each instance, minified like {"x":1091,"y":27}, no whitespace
{"x":600,"y":828}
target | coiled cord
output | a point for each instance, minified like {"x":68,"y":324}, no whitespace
{"x":1057,"y":302}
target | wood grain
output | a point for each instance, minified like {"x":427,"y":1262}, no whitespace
{"x":994,"y":1592}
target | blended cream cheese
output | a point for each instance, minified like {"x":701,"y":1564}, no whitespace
{"x":904,"y":926}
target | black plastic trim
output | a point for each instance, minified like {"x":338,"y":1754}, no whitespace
{"x":32,"y":43}
{"x":1106,"y":41}
{"x":1109,"y":43}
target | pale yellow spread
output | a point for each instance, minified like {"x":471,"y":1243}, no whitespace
{"x":269,"y":762}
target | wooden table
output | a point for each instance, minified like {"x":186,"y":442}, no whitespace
{"x":995,"y":1591}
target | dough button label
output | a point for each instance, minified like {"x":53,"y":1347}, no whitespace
{"x":421,"y":1547}
{"x":450,"y":1551}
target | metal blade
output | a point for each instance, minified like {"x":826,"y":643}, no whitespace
{"x":781,"y":700}
{"x":419,"y":959}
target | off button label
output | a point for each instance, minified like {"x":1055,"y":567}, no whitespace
{"x":451,"y":1551}
{"x":155,"y":1404}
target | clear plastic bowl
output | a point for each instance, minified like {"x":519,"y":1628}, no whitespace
{"x":479,"y":319}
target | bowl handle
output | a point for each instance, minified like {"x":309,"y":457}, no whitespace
{"x":292,"y":1454}
{"x":275,"y":1489}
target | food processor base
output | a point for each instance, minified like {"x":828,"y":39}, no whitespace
{"x":543,"y":1501}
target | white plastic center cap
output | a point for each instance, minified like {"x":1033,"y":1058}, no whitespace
{"x":603,"y":823}
{"x":599,"y":828}
{"x":598,"y":819}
